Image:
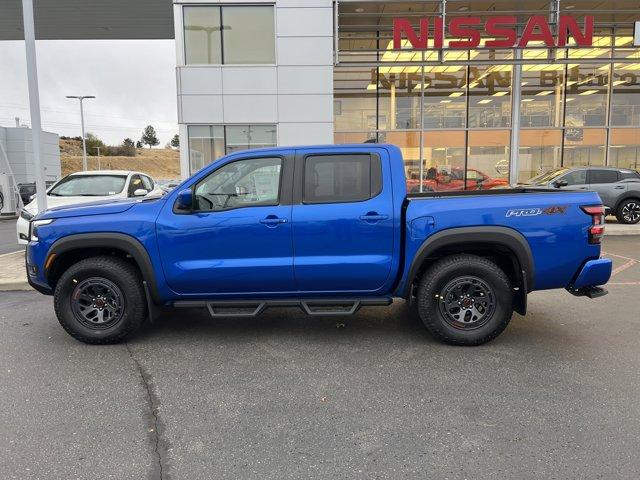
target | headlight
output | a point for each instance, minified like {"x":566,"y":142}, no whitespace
{"x":33,"y":228}
{"x":26,"y":215}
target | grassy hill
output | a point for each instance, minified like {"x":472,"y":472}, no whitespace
{"x":160,"y":163}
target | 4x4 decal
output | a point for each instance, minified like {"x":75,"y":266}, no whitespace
{"x":532,"y":212}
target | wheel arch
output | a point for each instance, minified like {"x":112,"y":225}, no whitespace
{"x":510,"y":249}
{"x":68,"y":250}
{"x":634,"y":195}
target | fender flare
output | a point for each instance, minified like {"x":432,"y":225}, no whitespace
{"x":120,"y":241}
{"x":503,"y":236}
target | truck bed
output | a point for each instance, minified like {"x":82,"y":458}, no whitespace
{"x":496,"y":191}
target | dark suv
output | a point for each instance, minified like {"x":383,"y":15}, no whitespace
{"x":619,"y":188}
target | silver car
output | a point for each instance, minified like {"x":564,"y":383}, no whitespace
{"x":619,"y":188}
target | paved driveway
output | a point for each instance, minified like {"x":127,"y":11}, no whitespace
{"x":287,"y":396}
{"x":8,"y":239}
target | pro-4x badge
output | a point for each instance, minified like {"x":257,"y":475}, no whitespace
{"x":532,"y":212}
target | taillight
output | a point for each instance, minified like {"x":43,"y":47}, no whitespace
{"x":596,"y":231}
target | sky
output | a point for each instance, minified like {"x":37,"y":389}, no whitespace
{"x":134,"y":82}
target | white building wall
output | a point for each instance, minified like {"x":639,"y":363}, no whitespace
{"x":17,"y":144}
{"x":295,"y":94}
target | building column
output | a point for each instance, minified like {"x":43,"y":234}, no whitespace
{"x":516,"y":91}
{"x":34,"y":101}
{"x":184,"y":151}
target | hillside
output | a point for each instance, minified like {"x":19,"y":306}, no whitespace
{"x":160,"y":163}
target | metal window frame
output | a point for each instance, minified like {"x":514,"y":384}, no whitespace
{"x":517,"y":63}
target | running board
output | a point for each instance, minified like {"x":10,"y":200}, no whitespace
{"x":310,"y":306}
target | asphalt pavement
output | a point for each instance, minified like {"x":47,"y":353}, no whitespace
{"x":286,"y":396}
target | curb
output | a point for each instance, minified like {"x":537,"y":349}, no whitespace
{"x":15,"y":286}
{"x":620,"y":234}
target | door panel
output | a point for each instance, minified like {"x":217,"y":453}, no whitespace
{"x":239,"y":239}
{"x":345,"y":246}
{"x":605,"y":183}
{"x":228,"y":252}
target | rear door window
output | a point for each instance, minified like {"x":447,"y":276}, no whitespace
{"x":602,"y":176}
{"x":627,"y":175}
{"x":341,"y":178}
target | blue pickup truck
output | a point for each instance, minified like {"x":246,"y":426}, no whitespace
{"x":328,"y":229}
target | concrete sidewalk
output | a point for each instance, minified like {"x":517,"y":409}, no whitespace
{"x":615,"y":228}
{"x":12,"y":272}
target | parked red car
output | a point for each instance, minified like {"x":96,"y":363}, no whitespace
{"x":442,"y":180}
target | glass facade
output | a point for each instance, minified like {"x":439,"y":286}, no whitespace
{"x":452,"y":111}
{"x":235,"y":35}
{"x":209,"y":142}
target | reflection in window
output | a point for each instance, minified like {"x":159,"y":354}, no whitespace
{"x":541,"y":103}
{"x":251,"y":182}
{"x":243,"y":137}
{"x":444,"y":97}
{"x":248,"y":34}
{"x":540,"y":151}
{"x":210,"y":142}
{"x":202,"y":35}
{"x":206,"y":144}
{"x":443,"y":155}
{"x":488,"y":154}
{"x":625,"y":95}
{"x":409,"y":144}
{"x":577,"y":177}
{"x":355,"y":102}
{"x":586,"y":100}
{"x":625,"y":148}
{"x":229,"y":34}
{"x":584,"y":146}
{"x":490,"y":96}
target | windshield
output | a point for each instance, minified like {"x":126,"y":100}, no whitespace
{"x":89,"y":186}
{"x":546,"y":177}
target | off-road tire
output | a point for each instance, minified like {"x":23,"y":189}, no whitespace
{"x":448,"y":270}
{"x":622,"y":213}
{"x":115,"y":270}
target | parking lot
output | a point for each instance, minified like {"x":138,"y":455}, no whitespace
{"x":8,"y":241}
{"x":288,"y":396}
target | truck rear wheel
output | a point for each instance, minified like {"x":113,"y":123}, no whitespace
{"x":100,"y":300}
{"x":465,"y":300}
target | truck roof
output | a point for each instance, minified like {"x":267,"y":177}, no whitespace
{"x":321,"y":146}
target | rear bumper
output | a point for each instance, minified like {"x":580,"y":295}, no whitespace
{"x":593,"y":273}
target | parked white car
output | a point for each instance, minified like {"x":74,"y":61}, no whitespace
{"x":83,"y":187}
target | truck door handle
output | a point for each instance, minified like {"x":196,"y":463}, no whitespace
{"x":272,"y":221}
{"x":619,"y":187}
{"x":373,"y":217}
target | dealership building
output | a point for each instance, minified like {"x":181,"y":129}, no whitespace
{"x":480,"y":90}
{"x":501,"y":87}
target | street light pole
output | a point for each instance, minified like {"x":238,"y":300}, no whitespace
{"x":84,"y":142}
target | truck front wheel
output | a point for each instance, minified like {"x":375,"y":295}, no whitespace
{"x":465,"y":300}
{"x":100,"y":300}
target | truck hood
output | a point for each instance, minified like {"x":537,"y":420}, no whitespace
{"x":103,"y":207}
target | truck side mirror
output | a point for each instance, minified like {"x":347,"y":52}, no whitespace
{"x":185,"y":200}
{"x":140,"y":192}
{"x":560,"y":183}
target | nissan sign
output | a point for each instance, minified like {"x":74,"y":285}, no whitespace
{"x":501,"y":31}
